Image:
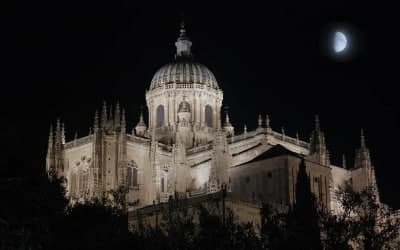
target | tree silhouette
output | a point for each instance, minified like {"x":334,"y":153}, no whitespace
{"x":303,"y":219}
{"x":32,"y":206}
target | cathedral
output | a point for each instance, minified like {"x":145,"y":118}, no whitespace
{"x":187,"y":149}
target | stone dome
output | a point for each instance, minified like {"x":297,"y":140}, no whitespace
{"x":184,"y":72}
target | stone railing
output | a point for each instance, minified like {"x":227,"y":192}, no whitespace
{"x":199,"y":149}
{"x":289,"y":139}
{"x":133,"y":138}
{"x":242,"y":137}
{"x":183,"y":85}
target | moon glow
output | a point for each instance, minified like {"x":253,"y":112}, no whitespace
{"x":339,"y":42}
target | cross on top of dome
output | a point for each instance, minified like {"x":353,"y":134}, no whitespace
{"x":184,"y":70}
{"x":183,"y":44}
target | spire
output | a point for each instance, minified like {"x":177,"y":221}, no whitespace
{"x":297,"y":137}
{"x":50,"y":143}
{"x":259,"y":121}
{"x":267,"y":121}
{"x":140,"y":126}
{"x":58,"y":126}
{"x":141,"y":120}
{"x":344,"y":161}
{"x":58,"y":134}
{"x":50,"y":151}
{"x":362,"y":158}
{"x":317,"y":127}
{"x":117,"y":115}
{"x":228,"y":126}
{"x":245,"y":129}
{"x":183,"y":43}
{"x":110,"y":114}
{"x":96,"y":120}
{"x":362,"y":139}
{"x":318,"y":149}
{"x":62,"y":134}
{"x":104,"y":115}
{"x":283,"y":132}
{"x":182,"y":30}
{"x":123,"y":121}
{"x":51,"y":135}
{"x":227,"y":122}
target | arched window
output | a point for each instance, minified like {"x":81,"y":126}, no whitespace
{"x":208,"y":116}
{"x":160,"y":116}
{"x":132,"y":175}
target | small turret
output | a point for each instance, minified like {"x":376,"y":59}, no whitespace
{"x":267,"y":121}
{"x":123,"y":122}
{"x":141,"y":127}
{"x":104,"y":115}
{"x":259,"y":121}
{"x":57,"y":141}
{"x":344,"y":164}
{"x":50,"y":143}
{"x":117,"y":116}
{"x":62,"y":134}
{"x":318,"y":150}
{"x":96,"y":121}
{"x":228,"y":128}
{"x":110,"y":113}
{"x":50,"y":151}
{"x":362,"y":157}
{"x":268,"y":124}
{"x":363,"y":173}
{"x":260,"y":128}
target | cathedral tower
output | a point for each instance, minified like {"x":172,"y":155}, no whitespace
{"x":363,"y":173}
{"x":318,"y":150}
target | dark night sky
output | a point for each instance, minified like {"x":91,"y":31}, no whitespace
{"x":63,"y":59}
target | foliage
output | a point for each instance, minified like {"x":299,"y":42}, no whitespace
{"x":90,"y":226}
{"x":37,"y":216}
{"x":364,"y":222}
{"x":303,"y":220}
{"x":32,"y":206}
{"x":216,"y":233}
{"x":296,"y":228}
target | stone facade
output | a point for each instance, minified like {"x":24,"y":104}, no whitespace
{"x":188,"y":150}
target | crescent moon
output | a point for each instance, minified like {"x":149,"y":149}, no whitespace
{"x":339,"y":42}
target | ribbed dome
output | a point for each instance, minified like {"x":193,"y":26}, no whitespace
{"x":184,"y":72}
